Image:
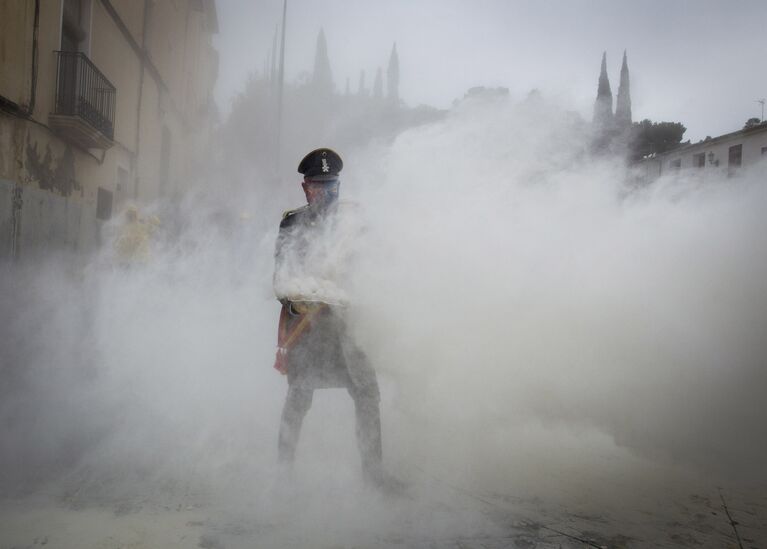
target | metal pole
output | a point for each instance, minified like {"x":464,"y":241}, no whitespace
{"x":280,"y":90}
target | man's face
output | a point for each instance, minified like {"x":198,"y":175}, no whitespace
{"x":320,"y":193}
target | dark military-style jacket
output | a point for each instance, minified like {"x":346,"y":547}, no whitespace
{"x":323,"y":355}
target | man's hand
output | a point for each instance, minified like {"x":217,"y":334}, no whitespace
{"x":281,"y":360}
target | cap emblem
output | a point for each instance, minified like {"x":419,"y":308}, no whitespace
{"x":325,"y":166}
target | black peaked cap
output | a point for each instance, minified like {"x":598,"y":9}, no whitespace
{"x":321,"y":162}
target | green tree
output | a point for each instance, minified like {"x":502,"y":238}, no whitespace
{"x":648,"y":137}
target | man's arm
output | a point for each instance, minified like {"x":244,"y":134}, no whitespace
{"x":292,"y":322}
{"x":280,"y":360}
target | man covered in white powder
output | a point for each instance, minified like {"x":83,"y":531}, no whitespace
{"x":314,"y":349}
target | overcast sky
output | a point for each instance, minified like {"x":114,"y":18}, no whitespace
{"x":700,"y":62}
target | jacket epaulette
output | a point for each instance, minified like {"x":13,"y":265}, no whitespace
{"x":288,"y":213}
{"x":291,"y":216}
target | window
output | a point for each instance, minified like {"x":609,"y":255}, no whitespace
{"x":675,"y":164}
{"x":72,"y":32}
{"x":104,"y":204}
{"x":734,"y":158}
{"x":699,"y":160}
{"x":75,"y":23}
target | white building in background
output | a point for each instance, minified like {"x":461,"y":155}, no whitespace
{"x":720,"y":156}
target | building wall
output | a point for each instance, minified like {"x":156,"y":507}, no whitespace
{"x":132,"y":14}
{"x":113,"y":55}
{"x":16,"y":51}
{"x":163,"y":95}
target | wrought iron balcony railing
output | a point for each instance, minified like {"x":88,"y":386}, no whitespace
{"x":83,"y":91}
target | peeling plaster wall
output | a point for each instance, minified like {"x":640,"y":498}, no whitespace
{"x":44,"y":207}
{"x":51,"y":173}
{"x":7,"y":189}
{"x":12,"y":138}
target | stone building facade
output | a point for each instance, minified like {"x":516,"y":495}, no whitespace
{"x":102,"y":103}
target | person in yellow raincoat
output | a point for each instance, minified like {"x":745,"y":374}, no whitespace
{"x":133,"y":242}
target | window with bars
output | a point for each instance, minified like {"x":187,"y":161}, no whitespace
{"x":83,"y":90}
{"x":735,"y":156}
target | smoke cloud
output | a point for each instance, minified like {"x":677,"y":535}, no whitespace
{"x":541,"y":324}
{"x":522,"y":282}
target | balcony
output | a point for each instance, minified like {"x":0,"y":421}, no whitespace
{"x":85,"y":102}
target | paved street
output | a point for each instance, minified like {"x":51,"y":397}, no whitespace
{"x":434,"y":514}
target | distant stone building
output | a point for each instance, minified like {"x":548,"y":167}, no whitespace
{"x":726,"y":155}
{"x":102,"y":102}
{"x":623,"y":102}
{"x":603,"y":106}
{"x":612,"y":129}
